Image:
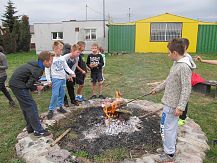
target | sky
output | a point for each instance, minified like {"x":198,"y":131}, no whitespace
{"x":49,"y":11}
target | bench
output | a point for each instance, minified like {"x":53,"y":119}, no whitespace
{"x":205,"y":87}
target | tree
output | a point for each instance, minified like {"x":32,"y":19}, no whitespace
{"x":9,"y":42}
{"x":24,"y":34}
{"x":9,"y":16}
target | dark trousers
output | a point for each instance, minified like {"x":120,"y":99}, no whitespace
{"x":184,"y":114}
{"x":4,"y":89}
{"x":71,"y":91}
{"x":29,"y":109}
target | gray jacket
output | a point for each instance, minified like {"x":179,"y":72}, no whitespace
{"x":3,"y":65}
{"x":177,"y":86}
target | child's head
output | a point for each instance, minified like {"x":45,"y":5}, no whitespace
{"x":58,"y":47}
{"x":75,"y":51}
{"x":82,"y":45}
{"x":176,"y":49}
{"x":95,"y":48}
{"x":101,"y":50}
{"x":186,"y":43}
{"x":46,"y":58}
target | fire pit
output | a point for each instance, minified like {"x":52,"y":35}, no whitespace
{"x":97,"y":130}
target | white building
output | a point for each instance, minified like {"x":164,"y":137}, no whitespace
{"x":90,"y":31}
{"x":32,"y":45}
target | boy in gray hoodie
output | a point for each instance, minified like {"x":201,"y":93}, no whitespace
{"x":177,"y":87}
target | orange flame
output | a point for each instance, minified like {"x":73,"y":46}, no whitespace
{"x":110,"y":108}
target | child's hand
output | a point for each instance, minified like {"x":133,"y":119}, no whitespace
{"x":40,"y":87}
{"x":178,"y":112}
{"x":198,"y":58}
{"x":70,"y":79}
{"x":49,"y":84}
{"x":84,"y":72}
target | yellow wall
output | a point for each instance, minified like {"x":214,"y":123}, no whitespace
{"x":143,"y":44}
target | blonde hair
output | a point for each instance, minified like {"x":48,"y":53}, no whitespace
{"x":75,"y":47}
{"x":95,"y":44}
{"x":57,"y":43}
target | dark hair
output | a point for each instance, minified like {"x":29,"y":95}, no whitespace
{"x":101,"y":49}
{"x":1,"y":49}
{"x":45,"y":55}
{"x":176,"y":45}
{"x":186,"y":42}
{"x":66,"y":48}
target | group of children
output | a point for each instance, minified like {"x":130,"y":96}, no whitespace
{"x":65,"y":70}
{"x":70,"y":68}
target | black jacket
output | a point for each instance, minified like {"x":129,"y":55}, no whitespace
{"x":95,"y":59}
{"x":26,"y":75}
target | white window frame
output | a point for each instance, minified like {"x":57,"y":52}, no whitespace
{"x":90,"y":30}
{"x":164,"y":32}
{"x":58,"y":37}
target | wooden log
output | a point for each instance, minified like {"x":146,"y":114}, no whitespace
{"x":60,"y":137}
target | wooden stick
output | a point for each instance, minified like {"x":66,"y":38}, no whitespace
{"x":60,"y":137}
{"x":134,"y":99}
{"x":150,"y":113}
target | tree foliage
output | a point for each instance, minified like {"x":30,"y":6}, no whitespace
{"x":9,"y":16}
{"x":16,"y":33}
{"x":24,"y":34}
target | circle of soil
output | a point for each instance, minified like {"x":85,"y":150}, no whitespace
{"x":125,"y":144}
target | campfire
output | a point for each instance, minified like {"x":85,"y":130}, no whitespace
{"x":110,"y":109}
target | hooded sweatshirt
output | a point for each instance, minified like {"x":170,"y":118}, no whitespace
{"x":177,"y":86}
{"x":3,"y":65}
{"x":26,"y":75}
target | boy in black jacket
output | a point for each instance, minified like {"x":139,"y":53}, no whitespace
{"x":80,"y":72}
{"x":95,"y":63}
{"x":20,"y":83}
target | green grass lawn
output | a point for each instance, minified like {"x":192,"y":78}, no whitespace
{"x":127,"y":73}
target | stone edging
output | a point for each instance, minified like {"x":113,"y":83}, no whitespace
{"x":191,"y":145}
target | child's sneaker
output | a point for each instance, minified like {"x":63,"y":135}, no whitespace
{"x":29,"y":130}
{"x":159,"y":150}
{"x":43,"y":133}
{"x":93,"y":97}
{"x":61,"y":110}
{"x":66,"y":104}
{"x":102,"y":97}
{"x":181,"y":122}
{"x":165,"y":158}
{"x":79,"y":98}
{"x":75,"y":102}
{"x":50,"y":114}
{"x":82,"y":98}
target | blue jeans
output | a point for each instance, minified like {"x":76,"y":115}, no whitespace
{"x":29,"y":109}
{"x":168,"y":129}
{"x":58,"y":93}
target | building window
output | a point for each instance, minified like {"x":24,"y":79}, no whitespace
{"x":165,"y":31}
{"x":90,"y":34}
{"x":57,"y":35}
